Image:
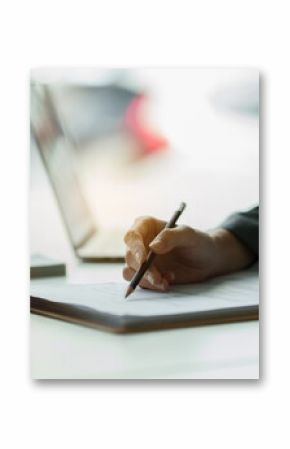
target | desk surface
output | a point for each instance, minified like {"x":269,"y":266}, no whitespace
{"x":61,"y":350}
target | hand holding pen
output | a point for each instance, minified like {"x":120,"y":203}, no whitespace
{"x":181,"y":254}
{"x":151,"y":255}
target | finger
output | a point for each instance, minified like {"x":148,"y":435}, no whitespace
{"x":135,"y":243}
{"x":131,"y":261}
{"x":128,"y":274}
{"x":148,"y":228}
{"x":169,"y":276}
{"x":168,"y":239}
{"x":154,"y":277}
{"x":141,"y":234}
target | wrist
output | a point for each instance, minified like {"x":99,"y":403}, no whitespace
{"x":230,"y":254}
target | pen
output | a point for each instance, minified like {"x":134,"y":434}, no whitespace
{"x":145,"y":265}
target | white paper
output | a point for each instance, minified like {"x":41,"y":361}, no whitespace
{"x":237,"y":290}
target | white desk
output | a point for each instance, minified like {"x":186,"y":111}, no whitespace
{"x":61,"y":350}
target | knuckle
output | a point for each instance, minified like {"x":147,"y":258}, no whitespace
{"x":130,"y":236}
{"x":126,"y":237}
{"x":127,"y":256}
{"x":128,"y":273}
{"x":125,"y":273}
{"x":131,"y":261}
{"x":145,"y":220}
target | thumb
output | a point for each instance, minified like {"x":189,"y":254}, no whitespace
{"x":169,"y":239}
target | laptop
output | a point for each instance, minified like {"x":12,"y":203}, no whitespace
{"x":90,"y":244}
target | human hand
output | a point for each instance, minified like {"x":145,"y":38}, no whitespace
{"x":183,"y":254}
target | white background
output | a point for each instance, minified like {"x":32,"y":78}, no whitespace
{"x":151,"y":33}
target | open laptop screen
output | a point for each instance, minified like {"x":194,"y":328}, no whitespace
{"x":56,"y":152}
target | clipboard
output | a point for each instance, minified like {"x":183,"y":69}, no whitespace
{"x":226,"y":299}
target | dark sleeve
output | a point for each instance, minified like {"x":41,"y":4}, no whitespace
{"x":245,"y":227}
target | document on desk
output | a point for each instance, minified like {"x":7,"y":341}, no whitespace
{"x":227,"y":298}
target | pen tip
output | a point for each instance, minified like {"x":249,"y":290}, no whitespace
{"x":129,"y":291}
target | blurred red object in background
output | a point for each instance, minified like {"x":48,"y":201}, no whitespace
{"x":149,"y":141}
